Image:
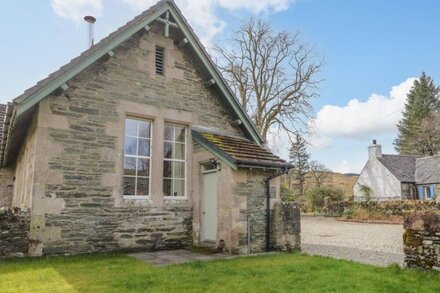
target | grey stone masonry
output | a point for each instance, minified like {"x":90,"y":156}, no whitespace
{"x":254,"y":189}
{"x":421,"y":240}
{"x":6,"y":186}
{"x":78,"y":206}
{"x":14,"y":229}
{"x":96,"y":229}
{"x":287,"y":226}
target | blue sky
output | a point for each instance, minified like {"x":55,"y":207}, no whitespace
{"x":372,"y":50}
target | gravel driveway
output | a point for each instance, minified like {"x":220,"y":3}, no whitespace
{"x":378,"y":244}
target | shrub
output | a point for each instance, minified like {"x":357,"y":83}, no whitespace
{"x":315,"y":197}
{"x":366,"y":192}
{"x":288,"y":193}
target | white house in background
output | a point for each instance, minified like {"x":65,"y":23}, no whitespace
{"x":387,"y":177}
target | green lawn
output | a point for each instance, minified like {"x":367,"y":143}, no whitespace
{"x":272,"y":273}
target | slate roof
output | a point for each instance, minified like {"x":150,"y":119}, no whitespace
{"x":240,"y":151}
{"x":401,"y":166}
{"x":428,"y":170}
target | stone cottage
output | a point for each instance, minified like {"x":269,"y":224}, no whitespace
{"x":138,"y":144}
{"x":386,"y":177}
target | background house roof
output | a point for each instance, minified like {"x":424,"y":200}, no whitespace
{"x":239,"y":152}
{"x":401,"y":166}
{"x":428,"y":170}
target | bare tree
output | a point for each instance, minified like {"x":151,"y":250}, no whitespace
{"x":274,"y":75}
{"x":319,"y":172}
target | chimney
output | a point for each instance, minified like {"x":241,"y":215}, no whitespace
{"x":374,"y":151}
{"x":91,"y":21}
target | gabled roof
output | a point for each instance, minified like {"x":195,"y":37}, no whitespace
{"x":428,"y":170}
{"x":401,"y":166}
{"x":239,"y":152}
{"x":25,"y":104}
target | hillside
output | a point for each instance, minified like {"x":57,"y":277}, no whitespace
{"x":344,"y":182}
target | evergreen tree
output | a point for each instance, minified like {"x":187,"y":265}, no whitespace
{"x":299,"y":157}
{"x":422,"y":102}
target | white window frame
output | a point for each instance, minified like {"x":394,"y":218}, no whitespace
{"x":134,"y":196}
{"x":426,"y":190}
{"x":176,"y":160}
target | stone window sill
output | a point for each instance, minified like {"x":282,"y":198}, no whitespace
{"x":133,"y":197}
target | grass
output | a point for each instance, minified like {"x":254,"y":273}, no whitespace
{"x":271,"y":273}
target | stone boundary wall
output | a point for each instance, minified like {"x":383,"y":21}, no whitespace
{"x":397,"y":208}
{"x":287,"y":226}
{"x":14,"y":232}
{"x":421,"y":240}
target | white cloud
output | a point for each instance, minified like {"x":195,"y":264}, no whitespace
{"x":347,"y":167}
{"x":255,"y":6}
{"x":377,"y":115}
{"x":278,"y":142}
{"x":201,"y":13}
{"x":76,"y":9}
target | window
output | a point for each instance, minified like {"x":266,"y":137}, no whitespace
{"x":160,"y":60}
{"x":174,"y":165}
{"x":137,"y":150}
{"x":426,"y":192}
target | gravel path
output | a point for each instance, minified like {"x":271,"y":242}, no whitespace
{"x":377,"y":244}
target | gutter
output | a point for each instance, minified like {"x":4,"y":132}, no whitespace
{"x":267,"y":183}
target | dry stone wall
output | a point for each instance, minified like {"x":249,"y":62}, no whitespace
{"x":422,"y":240}
{"x":398,"y":208}
{"x":287,"y":226}
{"x":14,"y":229}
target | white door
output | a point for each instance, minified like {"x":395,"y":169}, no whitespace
{"x":209,"y":205}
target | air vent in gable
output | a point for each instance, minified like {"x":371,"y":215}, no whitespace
{"x":160,"y":60}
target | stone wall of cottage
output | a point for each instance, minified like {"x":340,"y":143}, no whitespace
{"x":249,"y":218}
{"x":23,"y":186}
{"x":6,"y":186}
{"x":77,"y":202}
{"x":14,"y":229}
{"x":409,"y":191}
{"x":421,"y":240}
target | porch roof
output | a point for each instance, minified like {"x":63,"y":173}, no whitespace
{"x":239,"y":152}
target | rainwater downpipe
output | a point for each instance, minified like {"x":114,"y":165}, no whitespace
{"x":267,"y":182}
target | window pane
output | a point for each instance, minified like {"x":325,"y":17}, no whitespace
{"x":143,"y":147}
{"x":167,"y":169}
{"x":142,"y":186}
{"x":167,"y":150}
{"x":129,"y":166}
{"x":131,"y":127}
{"x":180,"y":134}
{"x":179,"y":151}
{"x":143,"y":167}
{"x":167,"y":187}
{"x":178,"y":169}
{"x":130,"y":146}
{"x":168,"y":133}
{"x":179,"y":187}
{"x":129,"y":184}
{"x":144,"y":129}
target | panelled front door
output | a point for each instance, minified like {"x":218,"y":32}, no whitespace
{"x":209,"y":205}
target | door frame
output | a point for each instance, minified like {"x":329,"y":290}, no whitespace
{"x":204,"y":171}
